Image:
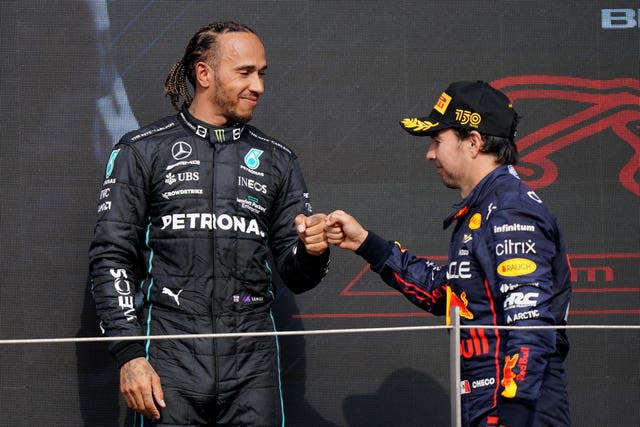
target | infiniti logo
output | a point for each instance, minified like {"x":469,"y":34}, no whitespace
{"x":181,"y":150}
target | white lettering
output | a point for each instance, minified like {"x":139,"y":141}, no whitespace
{"x":533,"y":314}
{"x":509,"y":247}
{"x":254,"y":185}
{"x":483,"y":382}
{"x":178,"y":221}
{"x":508,"y":228}
{"x":106,"y":206}
{"x":211,"y":221}
{"x":520,"y":299}
{"x":170,"y":194}
{"x":246,"y":169}
{"x":459,"y":270}
{"x":619,"y":19}
{"x":123,"y":287}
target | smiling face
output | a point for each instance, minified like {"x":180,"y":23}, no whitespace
{"x":235,"y":80}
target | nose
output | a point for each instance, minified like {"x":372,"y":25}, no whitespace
{"x":431,"y":151}
{"x":257,"y":84}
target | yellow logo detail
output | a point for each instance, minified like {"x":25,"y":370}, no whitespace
{"x":475,"y":221}
{"x":442,"y":103}
{"x":468,"y":118}
{"x":516,"y":267}
{"x":508,"y":377}
{"x":418,"y":125}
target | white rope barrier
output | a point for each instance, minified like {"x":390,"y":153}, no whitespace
{"x":290,"y":333}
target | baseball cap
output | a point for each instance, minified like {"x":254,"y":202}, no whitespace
{"x":470,"y":105}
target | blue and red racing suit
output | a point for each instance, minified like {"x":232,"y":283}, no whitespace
{"x":507,"y":266}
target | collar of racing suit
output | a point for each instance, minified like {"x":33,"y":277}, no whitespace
{"x":210,"y":132}
{"x":461,"y":209}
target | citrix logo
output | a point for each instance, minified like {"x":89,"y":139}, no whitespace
{"x":620,"y":19}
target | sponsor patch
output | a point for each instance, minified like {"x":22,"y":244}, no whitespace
{"x":475,"y":221}
{"x":516,"y":267}
{"x":442,"y":103}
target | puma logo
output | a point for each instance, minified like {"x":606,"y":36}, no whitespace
{"x":173,"y":295}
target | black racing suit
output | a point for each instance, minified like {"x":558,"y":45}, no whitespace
{"x":197,"y":218}
{"x":508,"y":266}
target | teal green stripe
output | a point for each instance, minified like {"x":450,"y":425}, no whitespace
{"x":273,"y":322}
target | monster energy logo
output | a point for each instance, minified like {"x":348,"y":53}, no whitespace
{"x":219,"y":135}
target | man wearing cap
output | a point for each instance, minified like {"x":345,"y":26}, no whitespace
{"x":507,"y":264}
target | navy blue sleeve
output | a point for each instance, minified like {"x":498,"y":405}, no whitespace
{"x":421,"y":281}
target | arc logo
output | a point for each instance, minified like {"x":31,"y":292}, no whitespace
{"x":604,"y":106}
{"x":252,"y":159}
{"x":181,"y":150}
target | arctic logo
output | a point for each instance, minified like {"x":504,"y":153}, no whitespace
{"x":252,"y":159}
{"x":608,"y":107}
{"x":181,"y":150}
{"x":169,"y":292}
{"x":112,"y":160}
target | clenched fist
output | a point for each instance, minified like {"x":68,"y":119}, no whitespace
{"x":311,"y":231}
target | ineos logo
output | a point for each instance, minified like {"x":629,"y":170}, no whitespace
{"x":181,"y":150}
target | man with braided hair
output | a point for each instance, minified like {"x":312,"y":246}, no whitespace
{"x":203,"y":214}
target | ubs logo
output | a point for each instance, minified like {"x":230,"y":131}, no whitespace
{"x":181,"y":150}
{"x":610,"y":106}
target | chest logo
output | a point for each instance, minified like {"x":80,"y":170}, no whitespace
{"x":252,"y":159}
{"x":181,"y":150}
{"x":516,"y":267}
{"x":475,"y":221}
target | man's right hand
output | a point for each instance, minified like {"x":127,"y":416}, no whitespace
{"x":140,"y":387}
{"x":344,"y":231}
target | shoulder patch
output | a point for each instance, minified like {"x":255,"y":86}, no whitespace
{"x":152,"y":129}
{"x":258,"y":135}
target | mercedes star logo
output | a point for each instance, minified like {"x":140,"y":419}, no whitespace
{"x":181,"y":150}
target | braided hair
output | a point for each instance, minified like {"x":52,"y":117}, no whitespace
{"x":201,"y":47}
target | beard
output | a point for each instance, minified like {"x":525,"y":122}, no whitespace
{"x":229,"y":105}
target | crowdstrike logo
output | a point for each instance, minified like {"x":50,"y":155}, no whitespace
{"x":181,"y":150}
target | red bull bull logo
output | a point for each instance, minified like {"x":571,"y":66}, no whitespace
{"x":461,"y":302}
{"x":509,"y":377}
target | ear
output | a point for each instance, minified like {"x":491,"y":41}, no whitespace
{"x":203,"y":74}
{"x":475,"y":143}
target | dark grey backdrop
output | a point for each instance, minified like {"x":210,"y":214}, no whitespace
{"x":76,"y":74}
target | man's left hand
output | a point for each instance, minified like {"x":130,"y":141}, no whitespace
{"x":311,"y":231}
